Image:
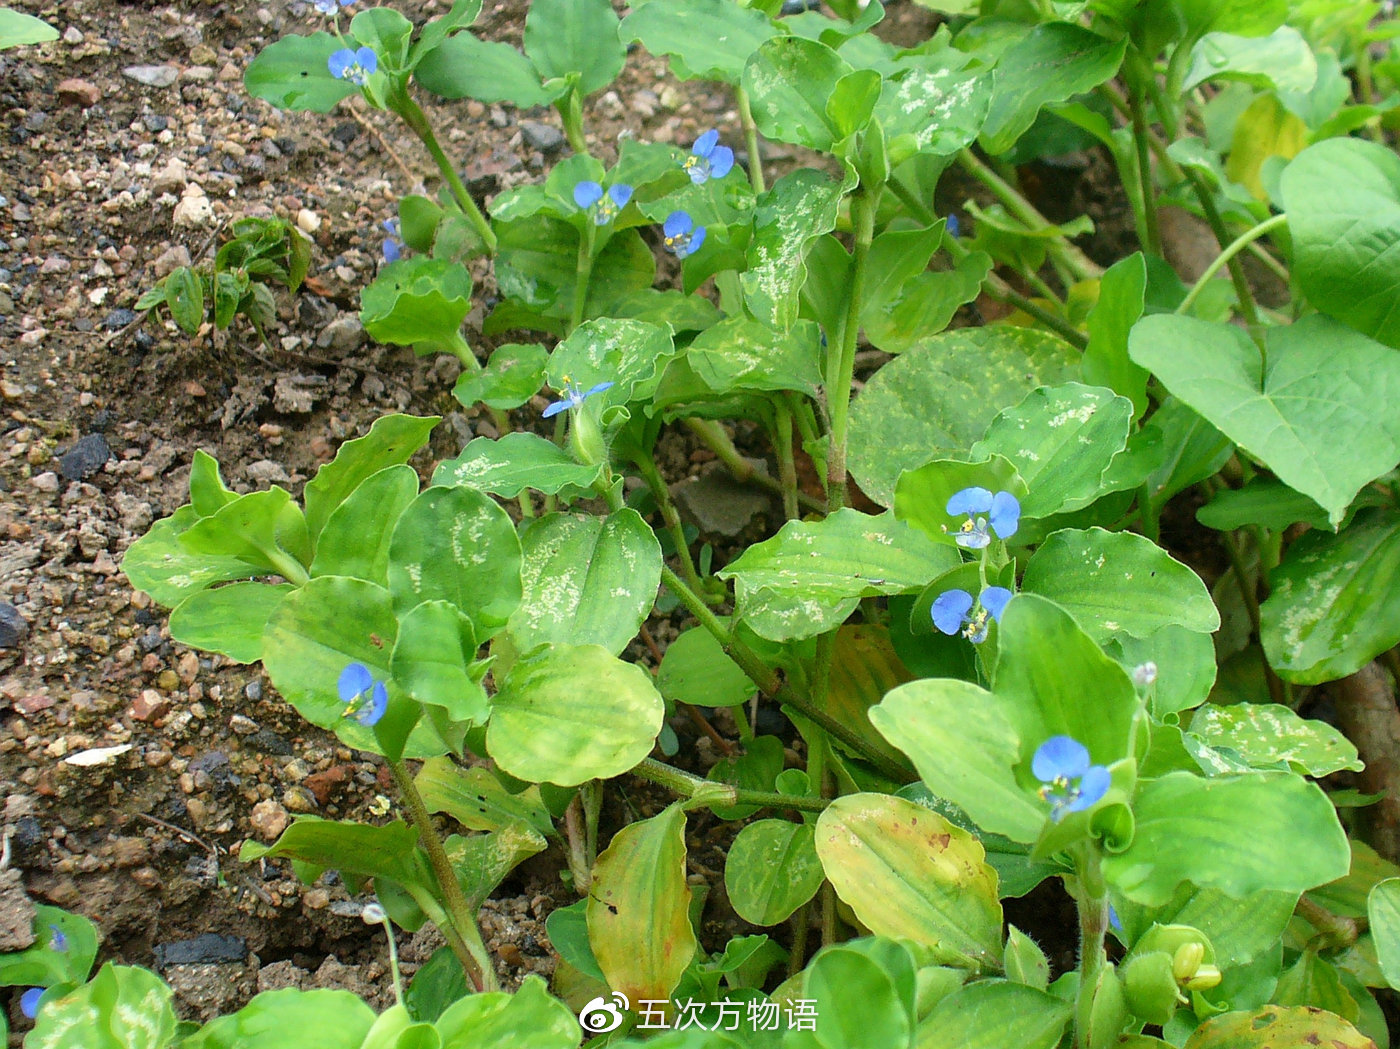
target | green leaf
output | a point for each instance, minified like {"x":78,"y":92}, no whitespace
{"x":755,"y":766}
{"x":937,"y":398}
{"x":1383,"y":912}
{"x":908,"y":872}
{"x":1117,"y":583}
{"x":771,"y":870}
{"x":1025,"y":961}
{"x":811,"y":575}
{"x":1282,"y":60}
{"x":438,"y":983}
{"x":184,"y":295}
{"x":571,"y":713}
{"x":514,"y":463}
{"x":1052,"y":63}
{"x":1061,"y":440}
{"x":992,"y":1015}
{"x":789,"y":81}
{"x":587,"y":580}
{"x":434,"y":661}
{"x":696,"y":670}
{"x":457,"y":545}
{"x":389,"y":851}
{"x":934,"y":107}
{"x":1240,"y":834}
{"x":528,"y":1019}
{"x":638,"y":921}
{"x":1185,"y":662}
{"x":42,"y":963}
{"x":1240,"y":929}
{"x":514,"y":374}
{"x":384,"y":31}
{"x":229,"y":619}
{"x":800,"y":207}
{"x":1343,"y":203}
{"x":355,"y":538}
{"x":159,"y":565}
{"x":896,"y":257}
{"x":391,"y":440}
{"x":741,"y":354}
{"x":1333,"y":603}
{"x":575,"y":36}
{"x":1122,"y":291}
{"x":1309,"y":415}
{"x":1262,"y":501}
{"x":124,"y":1007}
{"x":319,"y":1019}
{"x":921,"y":497}
{"x":265,"y":530}
{"x":864,"y":995}
{"x":1264,"y":734}
{"x":465,"y":67}
{"x":1277,"y":1027}
{"x":926,"y":303}
{"x":712,"y":38}
{"x":476,"y":799}
{"x":630,"y":354}
{"x":18,"y":29}
{"x":852,"y":102}
{"x":417,"y":300}
{"x":462,"y":14}
{"x":310,"y":638}
{"x":291,"y":73}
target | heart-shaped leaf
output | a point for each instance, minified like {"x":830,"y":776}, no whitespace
{"x":771,"y":870}
{"x":509,"y":465}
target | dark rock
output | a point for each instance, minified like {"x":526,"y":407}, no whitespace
{"x":545,"y":137}
{"x":101,"y":421}
{"x":116,"y":320}
{"x":13,"y":626}
{"x":345,"y":133}
{"x":27,"y":835}
{"x":268,"y":742}
{"x":85,"y":458}
{"x":155,"y":123}
{"x":208,"y":949}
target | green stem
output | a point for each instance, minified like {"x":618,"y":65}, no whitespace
{"x":1229,"y":252}
{"x":462,"y":350}
{"x":1150,"y":231}
{"x":1093,"y":924}
{"x":1080,"y":264}
{"x":1337,"y":932}
{"x":461,"y":924}
{"x":570,"y":109}
{"x":798,"y":955}
{"x":1222,"y":236}
{"x":714,"y":438}
{"x":841,"y":357}
{"x":713,"y":792}
{"x":417,"y":122}
{"x":579,"y":866}
{"x":292,"y":570}
{"x":583,"y":270}
{"x":787,"y":466}
{"x":646,"y":466}
{"x":750,"y":140}
{"x":1038,"y":283}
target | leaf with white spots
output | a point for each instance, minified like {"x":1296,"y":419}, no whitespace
{"x":587,"y":580}
{"x":709,"y":39}
{"x":1117,"y":583}
{"x":514,"y":463}
{"x":1335,"y":600}
{"x":811,"y":575}
{"x":457,"y":545}
{"x":771,"y":870}
{"x":939,"y":107}
{"x":124,"y":1006}
{"x":1061,"y":440}
{"x":1265,"y":734}
{"x":629,"y":354}
{"x":789,"y":81}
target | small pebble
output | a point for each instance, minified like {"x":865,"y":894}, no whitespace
{"x":152,"y":76}
{"x":85,"y":458}
{"x":13,"y":625}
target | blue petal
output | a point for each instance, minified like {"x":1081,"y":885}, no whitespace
{"x":696,"y":239}
{"x":598,"y":389}
{"x":392,"y":251}
{"x":970,"y":501}
{"x":340,"y":61}
{"x":555,"y":408}
{"x":953,"y":227}
{"x":1092,"y":787}
{"x":676,"y":223}
{"x":354,"y":679}
{"x":368,"y":60}
{"x":29,"y":1001}
{"x":950,"y":610}
{"x":977,"y":539}
{"x":587,"y":193}
{"x":620,"y":194}
{"x":705,"y":144}
{"x":1006,"y":515}
{"x":721,"y":161}
{"x":994,"y":600}
{"x":1060,"y":756}
{"x":372,"y":711}
{"x":59,"y":942}
{"x":391,"y":226}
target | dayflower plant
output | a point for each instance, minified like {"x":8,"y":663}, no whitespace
{"x":707,"y":159}
{"x":1004,"y":516}
{"x":365,"y":699}
{"x":952,"y":612}
{"x":682,"y":236}
{"x":573,"y":397}
{"x":355,"y":66}
{"x":589,"y":195}
{"x":1070,"y":782}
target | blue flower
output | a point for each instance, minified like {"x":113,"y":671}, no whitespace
{"x":573,"y":397}
{"x":1004,"y":520}
{"x":393,"y":246}
{"x":1071,"y":784}
{"x":682,"y":236}
{"x":954,"y":227}
{"x":58,"y":941}
{"x":354,"y":66}
{"x":952,"y":612}
{"x":589,"y":194}
{"x":328,"y":7}
{"x":708,"y":160}
{"x":365,"y":699}
{"x":29,"y":1001}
